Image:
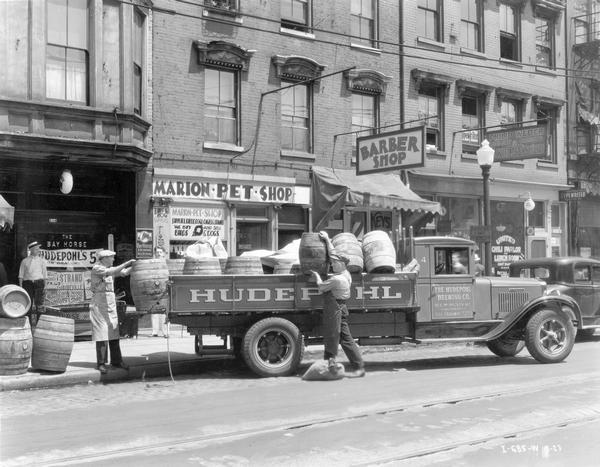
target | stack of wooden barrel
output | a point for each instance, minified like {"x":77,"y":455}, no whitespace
{"x":48,"y":348}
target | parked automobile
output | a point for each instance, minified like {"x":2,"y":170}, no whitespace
{"x":574,"y":276}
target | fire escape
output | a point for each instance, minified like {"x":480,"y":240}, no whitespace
{"x":584,"y":163}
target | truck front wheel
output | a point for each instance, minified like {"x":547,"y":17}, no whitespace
{"x":549,"y":336}
{"x":273,"y":347}
{"x":505,"y":347}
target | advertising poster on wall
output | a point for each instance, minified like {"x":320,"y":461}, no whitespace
{"x":190,"y":223}
{"x":162,"y":230}
{"x":143,"y":243}
{"x":508,"y":235}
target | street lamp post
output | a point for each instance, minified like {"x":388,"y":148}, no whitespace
{"x":485,"y":159}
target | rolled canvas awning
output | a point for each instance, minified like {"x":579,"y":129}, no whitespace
{"x":333,"y":189}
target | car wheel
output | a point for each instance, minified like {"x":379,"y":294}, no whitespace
{"x":273,"y":347}
{"x":505,"y":346}
{"x":549,"y":336}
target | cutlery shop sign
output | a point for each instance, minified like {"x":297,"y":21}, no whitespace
{"x":386,"y":152}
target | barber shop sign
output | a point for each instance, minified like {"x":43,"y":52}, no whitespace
{"x":390,"y":151}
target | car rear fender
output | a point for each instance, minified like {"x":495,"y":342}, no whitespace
{"x":518,"y":319}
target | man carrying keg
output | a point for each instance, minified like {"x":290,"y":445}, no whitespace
{"x":32,"y":277}
{"x":103,"y":309}
{"x":336,"y":290}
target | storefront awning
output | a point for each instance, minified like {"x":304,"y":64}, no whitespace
{"x":333,"y":189}
{"x":7,"y":213}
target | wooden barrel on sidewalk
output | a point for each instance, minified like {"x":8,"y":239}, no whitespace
{"x":53,"y":339}
{"x":208,"y":266}
{"x":14,"y":301}
{"x":347,"y":244}
{"x":378,"y":252}
{"x":244,"y":265}
{"x":313,"y":254}
{"x":148,"y":282}
{"x":15,"y":345}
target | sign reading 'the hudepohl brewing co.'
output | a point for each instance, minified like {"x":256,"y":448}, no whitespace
{"x":390,"y":151}
{"x":519,"y":143}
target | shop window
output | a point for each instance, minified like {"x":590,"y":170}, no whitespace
{"x":221,"y":107}
{"x":547,"y":116}
{"x":67,"y":52}
{"x":382,"y":220}
{"x":509,"y":32}
{"x":295,"y":14}
{"x":295,"y":118}
{"x":458,"y":215}
{"x":358,"y":223}
{"x":451,"y":261}
{"x":292,"y":223}
{"x":428,"y":19}
{"x":471,"y":21}
{"x":537,"y":216}
{"x":472,"y":120}
{"x":364,"y":117}
{"x":362,"y":22}
{"x":555,"y":216}
{"x":430,"y":110}
{"x":138,"y":54}
{"x":252,"y":229}
{"x":544,"y":41}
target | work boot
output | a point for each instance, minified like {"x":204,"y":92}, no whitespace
{"x":102,"y":368}
{"x":332,"y":366}
{"x":356,"y":373}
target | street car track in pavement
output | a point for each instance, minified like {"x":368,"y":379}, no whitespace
{"x":590,"y":414}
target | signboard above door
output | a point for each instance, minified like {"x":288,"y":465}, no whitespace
{"x":515,"y":144}
{"x":391,"y":151}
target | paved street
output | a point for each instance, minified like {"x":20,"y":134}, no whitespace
{"x":428,"y":405}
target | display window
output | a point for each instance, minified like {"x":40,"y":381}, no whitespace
{"x":252,"y":229}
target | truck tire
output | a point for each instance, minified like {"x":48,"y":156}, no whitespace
{"x":506,"y":347}
{"x":549,"y":336}
{"x":273,"y":347}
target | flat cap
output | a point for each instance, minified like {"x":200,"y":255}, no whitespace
{"x":105,"y":254}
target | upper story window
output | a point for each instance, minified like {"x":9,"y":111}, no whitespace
{"x":67,"y":50}
{"x":510,"y":112}
{"x":138,"y":60}
{"x":472,"y":121}
{"x":296,"y":101}
{"x":471,"y":21}
{"x":363,"y":22}
{"x":430,"y":109}
{"x":509,"y":32}
{"x":295,"y":14}
{"x":225,"y":5}
{"x":364,"y":116}
{"x":544,"y":41}
{"x":295,"y":118}
{"x":548,"y":112}
{"x":428,"y":19}
{"x":224,"y":62}
{"x":220,"y":106}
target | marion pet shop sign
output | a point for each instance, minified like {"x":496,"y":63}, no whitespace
{"x":390,"y":151}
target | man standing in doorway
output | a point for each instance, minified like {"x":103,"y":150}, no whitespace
{"x":32,"y":277}
{"x":103,"y":310}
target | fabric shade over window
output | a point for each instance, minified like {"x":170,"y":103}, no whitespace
{"x":333,"y":189}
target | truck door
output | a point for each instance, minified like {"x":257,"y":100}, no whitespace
{"x":451,"y":286}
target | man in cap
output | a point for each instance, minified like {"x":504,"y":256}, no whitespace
{"x":336,"y":290}
{"x":32,"y":277}
{"x":103,"y":309}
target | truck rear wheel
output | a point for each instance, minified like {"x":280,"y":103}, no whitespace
{"x":505,"y":347}
{"x":549,"y":336}
{"x":273,"y":347}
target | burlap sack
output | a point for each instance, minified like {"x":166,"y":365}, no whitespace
{"x":319,"y":371}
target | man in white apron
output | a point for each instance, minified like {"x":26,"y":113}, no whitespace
{"x":103,"y":309}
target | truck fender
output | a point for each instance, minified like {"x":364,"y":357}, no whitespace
{"x":561,"y":303}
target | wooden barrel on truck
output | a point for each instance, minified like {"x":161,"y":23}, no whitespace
{"x":207,"y":266}
{"x":244,"y":265}
{"x":348,"y":244}
{"x":313,"y":254}
{"x":148,"y":281}
{"x":379,"y":252}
